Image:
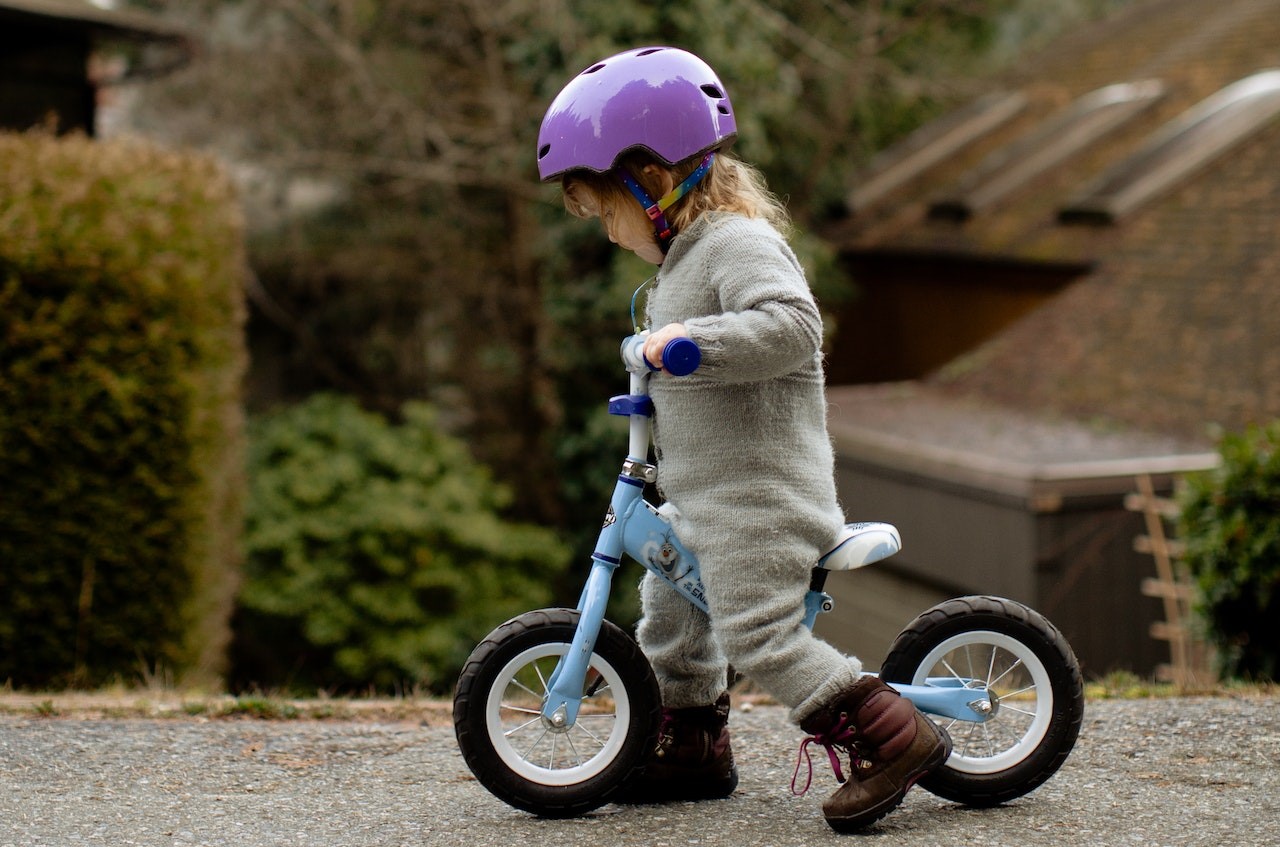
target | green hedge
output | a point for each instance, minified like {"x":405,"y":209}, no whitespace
{"x":376,"y":554}
{"x":121,"y":436}
{"x":1230,"y":521}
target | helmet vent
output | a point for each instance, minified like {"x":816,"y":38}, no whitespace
{"x":713,"y":92}
{"x":593,"y":69}
{"x":543,"y":151}
{"x":650,"y":51}
{"x":724,"y":110}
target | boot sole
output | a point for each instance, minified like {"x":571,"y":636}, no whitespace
{"x":854,"y":823}
{"x":649,"y":791}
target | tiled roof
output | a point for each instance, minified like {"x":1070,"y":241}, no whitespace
{"x":1178,"y":325}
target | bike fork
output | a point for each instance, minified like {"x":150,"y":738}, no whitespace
{"x":565,"y":688}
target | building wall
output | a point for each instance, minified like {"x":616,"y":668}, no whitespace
{"x":1089,"y":578}
{"x":1074,"y":563}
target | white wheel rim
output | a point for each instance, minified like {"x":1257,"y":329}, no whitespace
{"x":1020,"y":682}
{"x":531,"y":749}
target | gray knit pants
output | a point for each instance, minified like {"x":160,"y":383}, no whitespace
{"x":757,"y":609}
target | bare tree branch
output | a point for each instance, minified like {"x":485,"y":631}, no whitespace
{"x":376,"y":94}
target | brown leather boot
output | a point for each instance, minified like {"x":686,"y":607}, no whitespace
{"x":692,"y":759}
{"x":889,"y":743}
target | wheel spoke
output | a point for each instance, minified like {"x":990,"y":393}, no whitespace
{"x":986,"y":734}
{"x":588,"y":732}
{"x":542,"y":679}
{"x":525,"y":725}
{"x":1005,"y":707}
{"x":534,"y":694}
{"x":1023,"y":690}
{"x":1007,"y":671}
{"x":968,"y":737}
{"x":534,"y":746}
{"x":953,"y":673}
{"x":577,"y":759}
{"x":520,"y":709}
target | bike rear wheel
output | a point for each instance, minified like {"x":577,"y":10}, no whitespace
{"x":1027,"y":669}
{"x":522,"y":758}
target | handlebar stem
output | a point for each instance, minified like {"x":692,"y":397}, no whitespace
{"x":638,"y":439}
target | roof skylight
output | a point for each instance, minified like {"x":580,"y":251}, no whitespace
{"x":932,"y":144}
{"x":1190,"y":141}
{"x":1087,"y":120}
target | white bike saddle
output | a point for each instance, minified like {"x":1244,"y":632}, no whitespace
{"x":859,"y":544}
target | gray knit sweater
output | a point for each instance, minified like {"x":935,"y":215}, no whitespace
{"x":742,"y":444}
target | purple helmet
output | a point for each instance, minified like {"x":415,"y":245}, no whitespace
{"x":660,"y":99}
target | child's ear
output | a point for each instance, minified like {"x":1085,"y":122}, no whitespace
{"x":581,"y":201}
{"x":662,"y":177}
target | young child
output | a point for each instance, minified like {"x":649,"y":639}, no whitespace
{"x":742,"y":447}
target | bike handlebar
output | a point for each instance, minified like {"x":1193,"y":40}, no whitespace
{"x":680,"y":356}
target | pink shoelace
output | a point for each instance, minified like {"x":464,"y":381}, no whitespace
{"x":841,"y":734}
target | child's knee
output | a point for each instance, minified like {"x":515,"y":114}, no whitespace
{"x":748,"y":644}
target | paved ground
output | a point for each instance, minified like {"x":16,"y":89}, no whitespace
{"x":1194,"y":771}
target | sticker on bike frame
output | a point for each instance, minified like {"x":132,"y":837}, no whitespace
{"x":666,"y":556}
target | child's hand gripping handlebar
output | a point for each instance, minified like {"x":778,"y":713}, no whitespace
{"x":680,"y":357}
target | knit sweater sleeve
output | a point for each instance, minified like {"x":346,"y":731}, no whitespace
{"x":769,"y":325}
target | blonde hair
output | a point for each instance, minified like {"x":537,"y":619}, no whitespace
{"x":730,"y":185}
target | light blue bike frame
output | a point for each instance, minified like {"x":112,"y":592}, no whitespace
{"x":634,"y":527}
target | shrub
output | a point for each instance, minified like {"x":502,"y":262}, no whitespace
{"x":121,"y":460}
{"x":1231,"y":525}
{"x":376,"y":554}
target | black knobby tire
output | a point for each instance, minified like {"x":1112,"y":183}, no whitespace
{"x":1033,"y":675}
{"x":518,"y":756}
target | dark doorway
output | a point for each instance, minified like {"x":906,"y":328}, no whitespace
{"x":913,"y":313}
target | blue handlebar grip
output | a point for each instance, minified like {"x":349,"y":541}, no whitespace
{"x":681,"y":356}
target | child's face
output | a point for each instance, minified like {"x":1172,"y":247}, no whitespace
{"x":623,"y":220}
{"x":630,"y":228}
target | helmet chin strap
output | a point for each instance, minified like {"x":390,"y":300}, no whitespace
{"x":656,"y":210}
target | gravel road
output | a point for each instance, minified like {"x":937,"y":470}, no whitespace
{"x":1189,"y":771}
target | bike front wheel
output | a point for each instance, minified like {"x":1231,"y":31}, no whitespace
{"x":522,"y":758}
{"x":1031,"y":677}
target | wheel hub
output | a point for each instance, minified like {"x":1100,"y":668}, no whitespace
{"x":988,"y":707}
{"x":558,"y":722}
